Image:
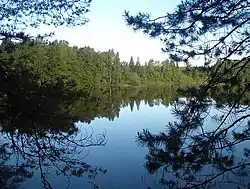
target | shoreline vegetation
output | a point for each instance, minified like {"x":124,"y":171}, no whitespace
{"x":56,"y":64}
{"x":35,"y":67}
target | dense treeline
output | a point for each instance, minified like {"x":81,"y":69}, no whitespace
{"x":57,"y":65}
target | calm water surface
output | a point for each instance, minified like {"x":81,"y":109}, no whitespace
{"x":122,"y":139}
{"x":122,"y":157}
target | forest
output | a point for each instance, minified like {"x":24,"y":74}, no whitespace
{"x":35,"y":64}
{"x":46,"y":87}
{"x":55,"y":64}
{"x":35,"y":69}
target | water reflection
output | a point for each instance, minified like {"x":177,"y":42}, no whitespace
{"x":193,"y":154}
{"x":205,"y":146}
{"x":39,"y":134}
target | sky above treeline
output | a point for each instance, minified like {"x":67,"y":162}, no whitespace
{"x":107,"y":29}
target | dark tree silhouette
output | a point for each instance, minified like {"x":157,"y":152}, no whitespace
{"x":38,"y":133}
{"x":192,"y":155}
{"x":214,"y":28}
{"x":17,"y":15}
{"x":217,"y":30}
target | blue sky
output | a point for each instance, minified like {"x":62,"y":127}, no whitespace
{"x":107,"y":28}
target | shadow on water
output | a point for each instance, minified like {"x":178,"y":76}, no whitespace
{"x":206,"y":147}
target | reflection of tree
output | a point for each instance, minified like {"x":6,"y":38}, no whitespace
{"x":61,"y":152}
{"x":191,"y":155}
{"x":38,"y":131}
{"x":103,"y":105}
{"x":193,"y":22}
{"x":8,"y":173}
{"x":39,"y":134}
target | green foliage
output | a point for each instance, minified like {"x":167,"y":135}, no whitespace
{"x":34,"y":64}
